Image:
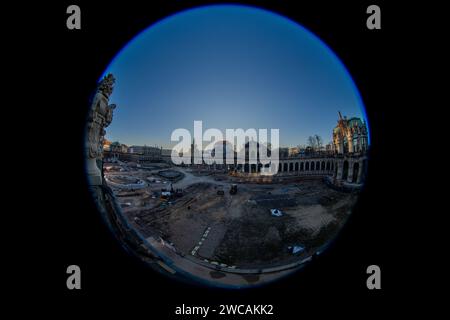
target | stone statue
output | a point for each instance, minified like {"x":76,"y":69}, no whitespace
{"x":100,"y":116}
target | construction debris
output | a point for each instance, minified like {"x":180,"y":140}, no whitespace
{"x":296,"y":249}
{"x":276,"y":212}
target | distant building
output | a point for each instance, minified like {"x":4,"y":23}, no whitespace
{"x":166,"y":155}
{"x":294,"y":151}
{"x":145,"y":154}
{"x":117,"y":147}
{"x":283,"y":152}
{"x":145,"y":150}
{"x":106,"y":145}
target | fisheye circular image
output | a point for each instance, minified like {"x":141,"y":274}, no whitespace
{"x":226,"y":145}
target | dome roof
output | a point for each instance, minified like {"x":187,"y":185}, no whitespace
{"x":355,"y":122}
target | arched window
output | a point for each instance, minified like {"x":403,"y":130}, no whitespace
{"x":355,"y":172}
{"x":345,"y":170}
{"x":296,"y":166}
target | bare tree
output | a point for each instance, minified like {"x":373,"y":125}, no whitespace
{"x":319,"y":142}
{"x":312,"y":142}
{"x":315,"y":142}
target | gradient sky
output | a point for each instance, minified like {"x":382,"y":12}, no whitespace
{"x":231,"y":67}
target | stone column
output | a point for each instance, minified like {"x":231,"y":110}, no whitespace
{"x":351,"y":163}
{"x":360,"y":172}
{"x":339,"y":165}
{"x":350,"y":142}
{"x":341,"y":146}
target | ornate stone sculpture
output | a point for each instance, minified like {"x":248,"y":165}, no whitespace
{"x":100,"y":116}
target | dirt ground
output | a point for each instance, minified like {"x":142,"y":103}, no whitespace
{"x":238,"y":230}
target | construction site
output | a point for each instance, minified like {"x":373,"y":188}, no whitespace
{"x":216,"y":220}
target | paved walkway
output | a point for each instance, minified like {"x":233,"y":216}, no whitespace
{"x":209,"y":274}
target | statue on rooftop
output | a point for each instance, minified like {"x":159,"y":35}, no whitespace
{"x":99,"y":117}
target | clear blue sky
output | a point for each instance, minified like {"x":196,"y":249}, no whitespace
{"x":231,"y":67}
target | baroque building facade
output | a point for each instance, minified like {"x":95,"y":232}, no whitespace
{"x":350,"y":136}
{"x":343,"y":165}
